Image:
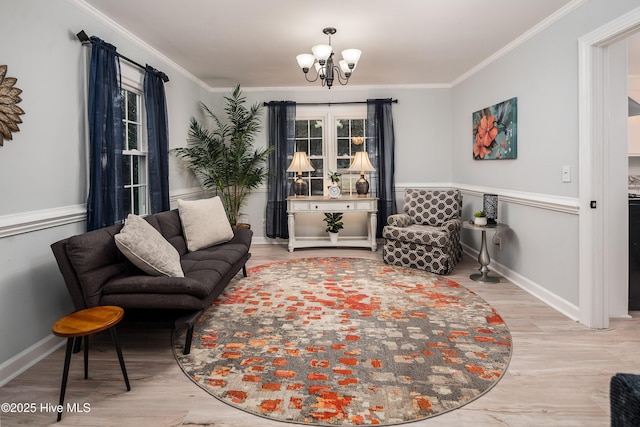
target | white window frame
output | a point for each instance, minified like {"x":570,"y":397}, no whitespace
{"x":329,"y":115}
{"x":133,"y":80}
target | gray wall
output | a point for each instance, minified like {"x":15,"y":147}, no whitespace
{"x":543,"y":73}
{"x":42,"y":170}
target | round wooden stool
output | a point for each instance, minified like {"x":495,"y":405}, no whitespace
{"x":83,"y":323}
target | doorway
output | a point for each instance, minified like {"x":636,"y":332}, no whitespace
{"x":602,"y":121}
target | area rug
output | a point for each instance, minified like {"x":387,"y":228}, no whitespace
{"x":346,"y":341}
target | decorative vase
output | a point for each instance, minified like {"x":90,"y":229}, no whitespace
{"x":480,"y":221}
{"x":333,"y":237}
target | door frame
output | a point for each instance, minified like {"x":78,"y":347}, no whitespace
{"x":593,"y":135}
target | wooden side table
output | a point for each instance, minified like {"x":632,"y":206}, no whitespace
{"x":483,"y":256}
{"x":83,"y":323}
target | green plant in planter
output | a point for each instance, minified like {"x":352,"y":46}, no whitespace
{"x":480,"y":214}
{"x":334,"y":221}
{"x":335,"y":177}
{"x":223,"y":158}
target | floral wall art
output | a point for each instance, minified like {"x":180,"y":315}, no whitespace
{"x":495,"y":133}
{"x":9,"y":111}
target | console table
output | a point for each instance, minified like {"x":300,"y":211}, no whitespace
{"x":307,"y":204}
{"x":483,"y":256}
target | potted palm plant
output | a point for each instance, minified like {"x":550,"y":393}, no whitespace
{"x":223,"y":158}
{"x":334,"y":224}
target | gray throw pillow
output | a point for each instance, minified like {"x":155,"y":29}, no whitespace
{"x":204,"y":222}
{"x":144,"y":246}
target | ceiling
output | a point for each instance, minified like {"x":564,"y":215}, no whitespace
{"x":255,"y":42}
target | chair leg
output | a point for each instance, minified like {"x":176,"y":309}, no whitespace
{"x":187,"y":343}
{"x":65,"y":374}
{"x":244,"y":270}
{"x":116,"y":341}
{"x":86,"y":356}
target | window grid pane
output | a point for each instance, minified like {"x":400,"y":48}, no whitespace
{"x":351,"y":139}
{"x":309,"y":139}
{"x":133,"y":156}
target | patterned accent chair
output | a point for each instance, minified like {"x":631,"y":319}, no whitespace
{"x":427,"y":234}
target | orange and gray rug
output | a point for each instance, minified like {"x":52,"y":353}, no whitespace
{"x":346,"y":341}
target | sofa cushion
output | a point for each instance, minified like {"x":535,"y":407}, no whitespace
{"x":204,"y":222}
{"x":432,"y":207}
{"x":420,"y":234}
{"x":169,"y":225}
{"x":145,"y":247}
{"x":95,"y":260}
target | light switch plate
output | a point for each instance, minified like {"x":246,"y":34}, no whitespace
{"x":566,"y":174}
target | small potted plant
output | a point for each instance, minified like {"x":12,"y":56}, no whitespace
{"x":480,"y":218}
{"x":334,"y":188}
{"x":334,"y":224}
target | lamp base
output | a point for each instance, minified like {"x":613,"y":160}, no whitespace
{"x":300,"y":187}
{"x":362,"y":186}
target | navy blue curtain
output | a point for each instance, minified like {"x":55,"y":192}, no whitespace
{"x":157,"y":139}
{"x":282,"y":129}
{"x":105,"y":200}
{"x":381,"y":154}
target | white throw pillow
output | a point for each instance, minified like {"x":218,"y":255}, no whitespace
{"x":144,"y":246}
{"x":204,"y":222}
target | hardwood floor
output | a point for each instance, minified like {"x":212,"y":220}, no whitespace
{"x":558,"y":376}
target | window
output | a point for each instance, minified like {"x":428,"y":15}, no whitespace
{"x":134,"y":153}
{"x":331,"y":148}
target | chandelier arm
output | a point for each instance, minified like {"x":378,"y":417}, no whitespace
{"x":306,"y":76}
{"x":342,"y":78}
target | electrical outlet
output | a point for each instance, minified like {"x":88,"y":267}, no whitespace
{"x":566,"y":174}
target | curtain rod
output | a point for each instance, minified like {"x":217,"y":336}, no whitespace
{"x":84,"y":38}
{"x":395,"y":101}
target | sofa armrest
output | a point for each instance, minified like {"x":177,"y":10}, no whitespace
{"x":399,"y":220}
{"x":452,"y":225}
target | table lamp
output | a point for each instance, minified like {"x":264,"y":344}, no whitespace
{"x":299,"y":164}
{"x":361,"y":164}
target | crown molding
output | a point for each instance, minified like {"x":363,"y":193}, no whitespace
{"x":542,"y":25}
{"x":113,"y":25}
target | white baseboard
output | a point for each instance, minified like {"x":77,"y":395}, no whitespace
{"x":554,"y":301}
{"x":29,"y":357}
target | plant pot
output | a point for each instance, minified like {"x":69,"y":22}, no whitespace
{"x":480,"y":221}
{"x":333,"y":237}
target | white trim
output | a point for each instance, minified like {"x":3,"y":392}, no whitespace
{"x":26,"y":222}
{"x":560,"y":304}
{"x":550,"y":20}
{"x":24,"y":360}
{"x":568,"y":205}
{"x":187,"y":194}
{"x":39,"y":220}
{"x":351,"y":87}
{"x":594,"y":307}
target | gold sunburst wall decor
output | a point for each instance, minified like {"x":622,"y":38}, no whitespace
{"x":9,"y":111}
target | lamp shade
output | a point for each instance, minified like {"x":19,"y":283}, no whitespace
{"x":300,"y":163}
{"x":322,"y":52}
{"x":305,"y":60}
{"x":361,"y":163}
{"x":351,"y":56}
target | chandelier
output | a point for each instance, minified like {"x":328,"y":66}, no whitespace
{"x":326,"y":70}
